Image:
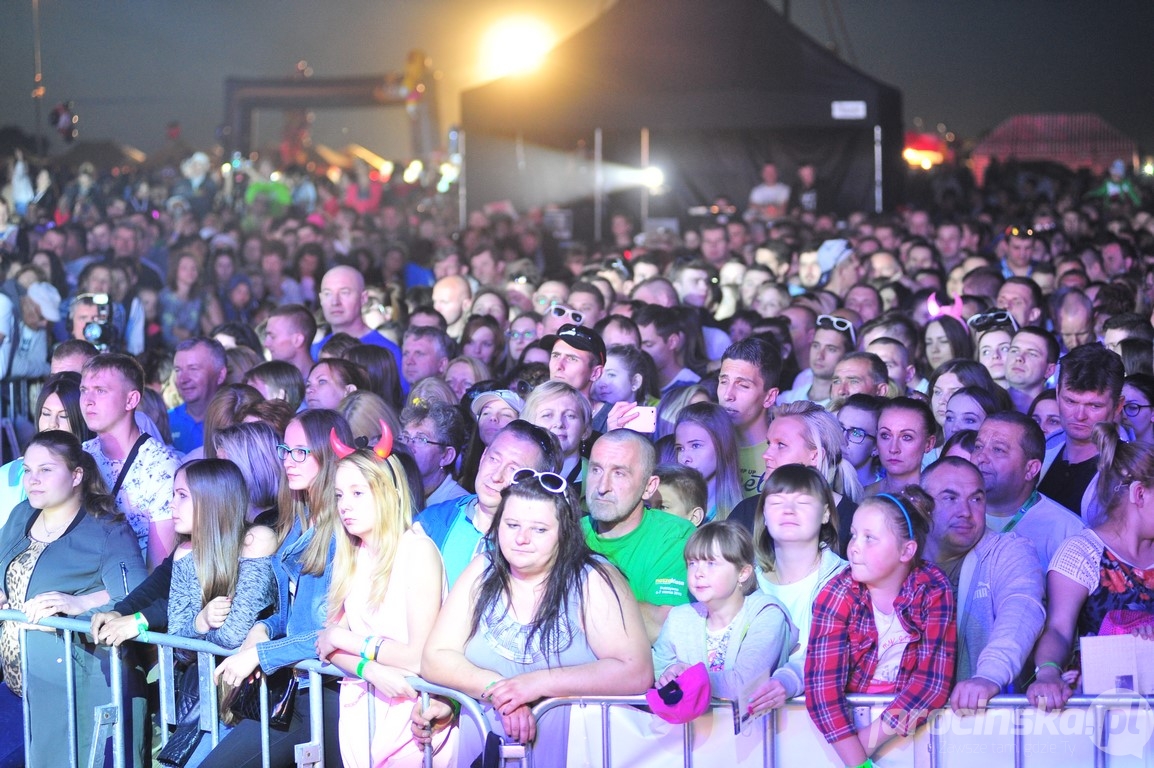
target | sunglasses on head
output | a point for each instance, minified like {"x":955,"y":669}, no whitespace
{"x":550,"y":481}
{"x":992,"y":319}
{"x":840,"y":324}
{"x":560,"y":310}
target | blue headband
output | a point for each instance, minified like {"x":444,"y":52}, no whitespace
{"x":905,"y":512}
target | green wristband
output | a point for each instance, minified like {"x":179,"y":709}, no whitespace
{"x":141,"y":622}
{"x":361,"y":668}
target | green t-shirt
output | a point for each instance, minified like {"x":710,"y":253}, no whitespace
{"x":652,"y":557}
{"x":752,"y":467}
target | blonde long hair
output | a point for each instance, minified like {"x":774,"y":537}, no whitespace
{"x":393,"y":503}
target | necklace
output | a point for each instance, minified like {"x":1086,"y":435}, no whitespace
{"x":51,"y":533}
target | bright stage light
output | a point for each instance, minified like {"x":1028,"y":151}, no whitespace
{"x":653,"y":177}
{"x":514,"y":46}
{"x":412,"y":173}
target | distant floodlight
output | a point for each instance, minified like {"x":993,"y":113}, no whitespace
{"x":1148,"y":169}
{"x":514,"y":46}
{"x":412,"y":173}
{"x":653,"y":177}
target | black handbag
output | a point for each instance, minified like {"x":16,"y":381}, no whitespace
{"x":244,"y":700}
{"x":181,"y":744}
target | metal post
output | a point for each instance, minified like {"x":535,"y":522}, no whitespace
{"x":687,"y":744}
{"x":70,"y":691}
{"x":598,"y":185}
{"x":606,"y":746}
{"x":644,"y":187}
{"x":1019,"y":739}
{"x":116,"y":672}
{"x":462,"y":193}
{"x":877,"y":169}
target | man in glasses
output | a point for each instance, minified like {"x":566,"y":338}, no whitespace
{"x":1089,"y":391}
{"x":433,"y":434}
{"x":833,"y":340}
{"x":645,"y":544}
{"x":578,"y":358}
{"x":458,"y":526}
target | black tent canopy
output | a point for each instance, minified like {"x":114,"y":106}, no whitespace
{"x":722,"y":86}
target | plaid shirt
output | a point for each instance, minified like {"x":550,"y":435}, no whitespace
{"x":842,"y":655}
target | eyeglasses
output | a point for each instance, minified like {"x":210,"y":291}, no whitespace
{"x":1019,"y":232}
{"x":856,"y":435}
{"x":550,"y":481}
{"x":518,"y":335}
{"x":1133,"y":408}
{"x":838,"y":324}
{"x":408,"y":439}
{"x":560,"y":310}
{"x":992,"y":319}
{"x":298,"y":454}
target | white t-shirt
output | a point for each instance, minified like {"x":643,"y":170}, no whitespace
{"x":892,"y":642}
{"x":798,"y":601}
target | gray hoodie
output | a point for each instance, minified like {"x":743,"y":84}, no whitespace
{"x":762,"y":640}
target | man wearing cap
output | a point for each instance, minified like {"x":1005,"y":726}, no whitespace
{"x":578,"y":358}
{"x":493,"y":410}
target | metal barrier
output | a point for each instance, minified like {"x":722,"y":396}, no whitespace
{"x":108,"y":716}
{"x":932,"y":745}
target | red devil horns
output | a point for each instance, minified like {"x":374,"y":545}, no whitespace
{"x":382,"y":450}
{"x":339,"y":447}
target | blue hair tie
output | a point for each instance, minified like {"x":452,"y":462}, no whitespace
{"x":901,"y":506}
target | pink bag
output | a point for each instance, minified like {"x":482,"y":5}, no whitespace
{"x":682,"y":699}
{"x":1123,"y":621}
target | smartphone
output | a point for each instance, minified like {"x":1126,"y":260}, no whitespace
{"x":645,"y":421}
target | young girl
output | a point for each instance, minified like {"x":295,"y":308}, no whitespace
{"x":222,"y":578}
{"x":627,"y":377}
{"x":795,"y":539}
{"x":738,"y":632}
{"x":705,"y":440}
{"x":387,"y":587}
{"x":885,"y":625}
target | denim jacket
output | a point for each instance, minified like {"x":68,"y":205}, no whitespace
{"x":298,"y":621}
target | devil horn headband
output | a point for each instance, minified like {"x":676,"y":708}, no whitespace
{"x":382,"y":450}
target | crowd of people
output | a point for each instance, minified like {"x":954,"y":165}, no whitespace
{"x":901,"y":453}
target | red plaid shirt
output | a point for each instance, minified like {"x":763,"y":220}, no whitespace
{"x":842,"y":655}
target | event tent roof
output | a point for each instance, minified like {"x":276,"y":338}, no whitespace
{"x":1075,"y":140}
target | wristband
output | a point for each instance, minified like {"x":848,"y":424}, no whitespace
{"x":867,"y":764}
{"x":377,"y":649}
{"x":1045,"y":664}
{"x":485,"y":693}
{"x":141,"y":622}
{"x":365,"y":647}
{"x":361,"y":668}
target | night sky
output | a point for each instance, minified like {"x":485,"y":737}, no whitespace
{"x":131,"y":66}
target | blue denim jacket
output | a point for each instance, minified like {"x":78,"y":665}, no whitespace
{"x":296,"y":624}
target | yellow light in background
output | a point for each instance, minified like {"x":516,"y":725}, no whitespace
{"x":413,"y":172}
{"x":514,"y":46}
{"x":922,"y":158}
{"x":653,"y":177}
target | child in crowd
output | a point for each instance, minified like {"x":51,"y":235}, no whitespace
{"x":704,"y":439}
{"x":681,"y":492}
{"x":885,"y":625}
{"x":739,"y":633}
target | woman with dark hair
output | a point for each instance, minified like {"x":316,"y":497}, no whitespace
{"x":303,"y":566}
{"x":945,"y":338}
{"x":483,"y":339}
{"x":968,"y":408}
{"x":277,"y":380}
{"x":224,"y":410}
{"x":57,"y":407}
{"x":1138,"y":407}
{"x":380,"y":367}
{"x":65,"y":550}
{"x":537,"y":616}
{"x":951,"y":376}
{"x":251,"y":446}
{"x":237,"y":334}
{"x":330,"y":380}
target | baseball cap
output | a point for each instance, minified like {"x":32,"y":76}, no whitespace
{"x":512,"y":399}
{"x":584,"y":339}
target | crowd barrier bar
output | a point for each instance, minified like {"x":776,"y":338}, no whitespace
{"x":106,"y":717}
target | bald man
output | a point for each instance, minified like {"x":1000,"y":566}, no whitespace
{"x":342,"y":295}
{"x":452,"y":297}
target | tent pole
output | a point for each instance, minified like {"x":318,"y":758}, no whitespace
{"x":644,"y":187}
{"x":877,"y":169}
{"x":598,"y":185}
{"x":462,"y":182}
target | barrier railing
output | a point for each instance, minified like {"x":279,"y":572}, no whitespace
{"x":107,"y":717}
{"x":935,"y":745}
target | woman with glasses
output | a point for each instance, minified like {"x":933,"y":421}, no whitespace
{"x":303,"y":567}
{"x":521,"y":333}
{"x":538,"y":616}
{"x":387,"y":587}
{"x":858,"y":416}
{"x":1137,"y":410}
{"x":1100,"y":576}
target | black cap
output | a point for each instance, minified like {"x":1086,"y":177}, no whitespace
{"x":584,"y":339}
